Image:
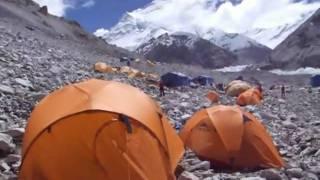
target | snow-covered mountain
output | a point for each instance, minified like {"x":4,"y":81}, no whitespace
{"x":233,"y":24}
{"x":131,"y":32}
{"x":177,"y":39}
{"x":186,"y":48}
{"x":273,"y":36}
{"x":301,"y":49}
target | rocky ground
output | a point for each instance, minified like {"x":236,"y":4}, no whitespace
{"x":32,"y":67}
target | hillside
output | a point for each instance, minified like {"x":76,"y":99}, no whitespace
{"x":27,"y":17}
{"x":301,"y":48}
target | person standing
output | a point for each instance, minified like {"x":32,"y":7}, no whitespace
{"x":283,"y":91}
{"x":161,"y":89}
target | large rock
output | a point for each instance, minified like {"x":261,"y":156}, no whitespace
{"x":268,"y":116}
{"x":212,"y":178}
{"x":204,"y":165}
{"x":4,"y":167}
{"x":44,"y":10}
{"x":289,"y":125}
{"x":311,"y":176}
{"x":6,"y":145}
{"x":188,"y":176}
{"x":24,"y":82}
{"x":315,"y":170}
{"x":3,"y":125}
{"x":294,"y":172}
{"x":12,"y":159}
{"x":252,"y":178}
{"x":270,"y":174}
{"x":16,"y":133}
{"x":6,"y":89}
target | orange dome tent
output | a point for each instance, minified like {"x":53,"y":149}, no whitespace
{"x":100,"y":130}
{"x":250,"y":97}
{"x":213,"y":96}
{"x":230,"y":138}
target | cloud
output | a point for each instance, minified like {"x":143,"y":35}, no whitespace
{"x":55,"y":7}
{"x":88,"y":4}
{"x":101,"y":32}
{"x":200,"y":15}
{"x":59,"y":7}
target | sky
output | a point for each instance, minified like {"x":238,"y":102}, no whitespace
{"x":93,"y":14}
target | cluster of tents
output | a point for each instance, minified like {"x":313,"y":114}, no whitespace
{"x":245,"y":94}
{"x":129,"y":71}
{"x":100,"y":129}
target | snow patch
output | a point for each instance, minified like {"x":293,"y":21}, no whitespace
{"x":300,"y":71}
{"x":238,"y":68}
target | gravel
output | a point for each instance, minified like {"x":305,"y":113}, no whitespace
{"x":32,"y":67}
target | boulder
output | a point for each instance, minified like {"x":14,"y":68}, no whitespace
{"x":294,"y":172}
{"x":24,"y":82}
{"x":270,"y":174}
{"x":4,"y":167}
{"x":12,"y":158}
{"x":289,"y":125}
{"x":6,"y":145}
{"x":16,"y":133}
{"x":6,"y":89}
{"x":188,"y":176}
{"x":311,"y":176}
{"x":44,"y":10}
{"x":3,"y":125}
{"x":253,"y":178}
{"x":203,"y":166}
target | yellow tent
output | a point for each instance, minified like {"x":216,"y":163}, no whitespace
{"x":102,"y":67}
{"x":237,"y":87}
{"x":99,"y":130}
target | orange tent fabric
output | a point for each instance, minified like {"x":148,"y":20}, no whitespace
{"x":230,"y":138}
{"x":213,"y":96}
{"x":250,"y":97}
{"x":99,"y":130}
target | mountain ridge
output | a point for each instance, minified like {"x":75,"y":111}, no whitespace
{"x":186,"y":48}
{"x":301,"y":49}
{"x":138,"y":29}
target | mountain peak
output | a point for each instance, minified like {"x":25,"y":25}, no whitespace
{"x":186,"y":48}
{"x":265,"y":22}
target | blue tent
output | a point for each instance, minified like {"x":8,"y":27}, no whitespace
{"x":124,"y":59}
{"x":315,"y":81}
{"x":203,"y":80}
{"x":175,"y":79}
